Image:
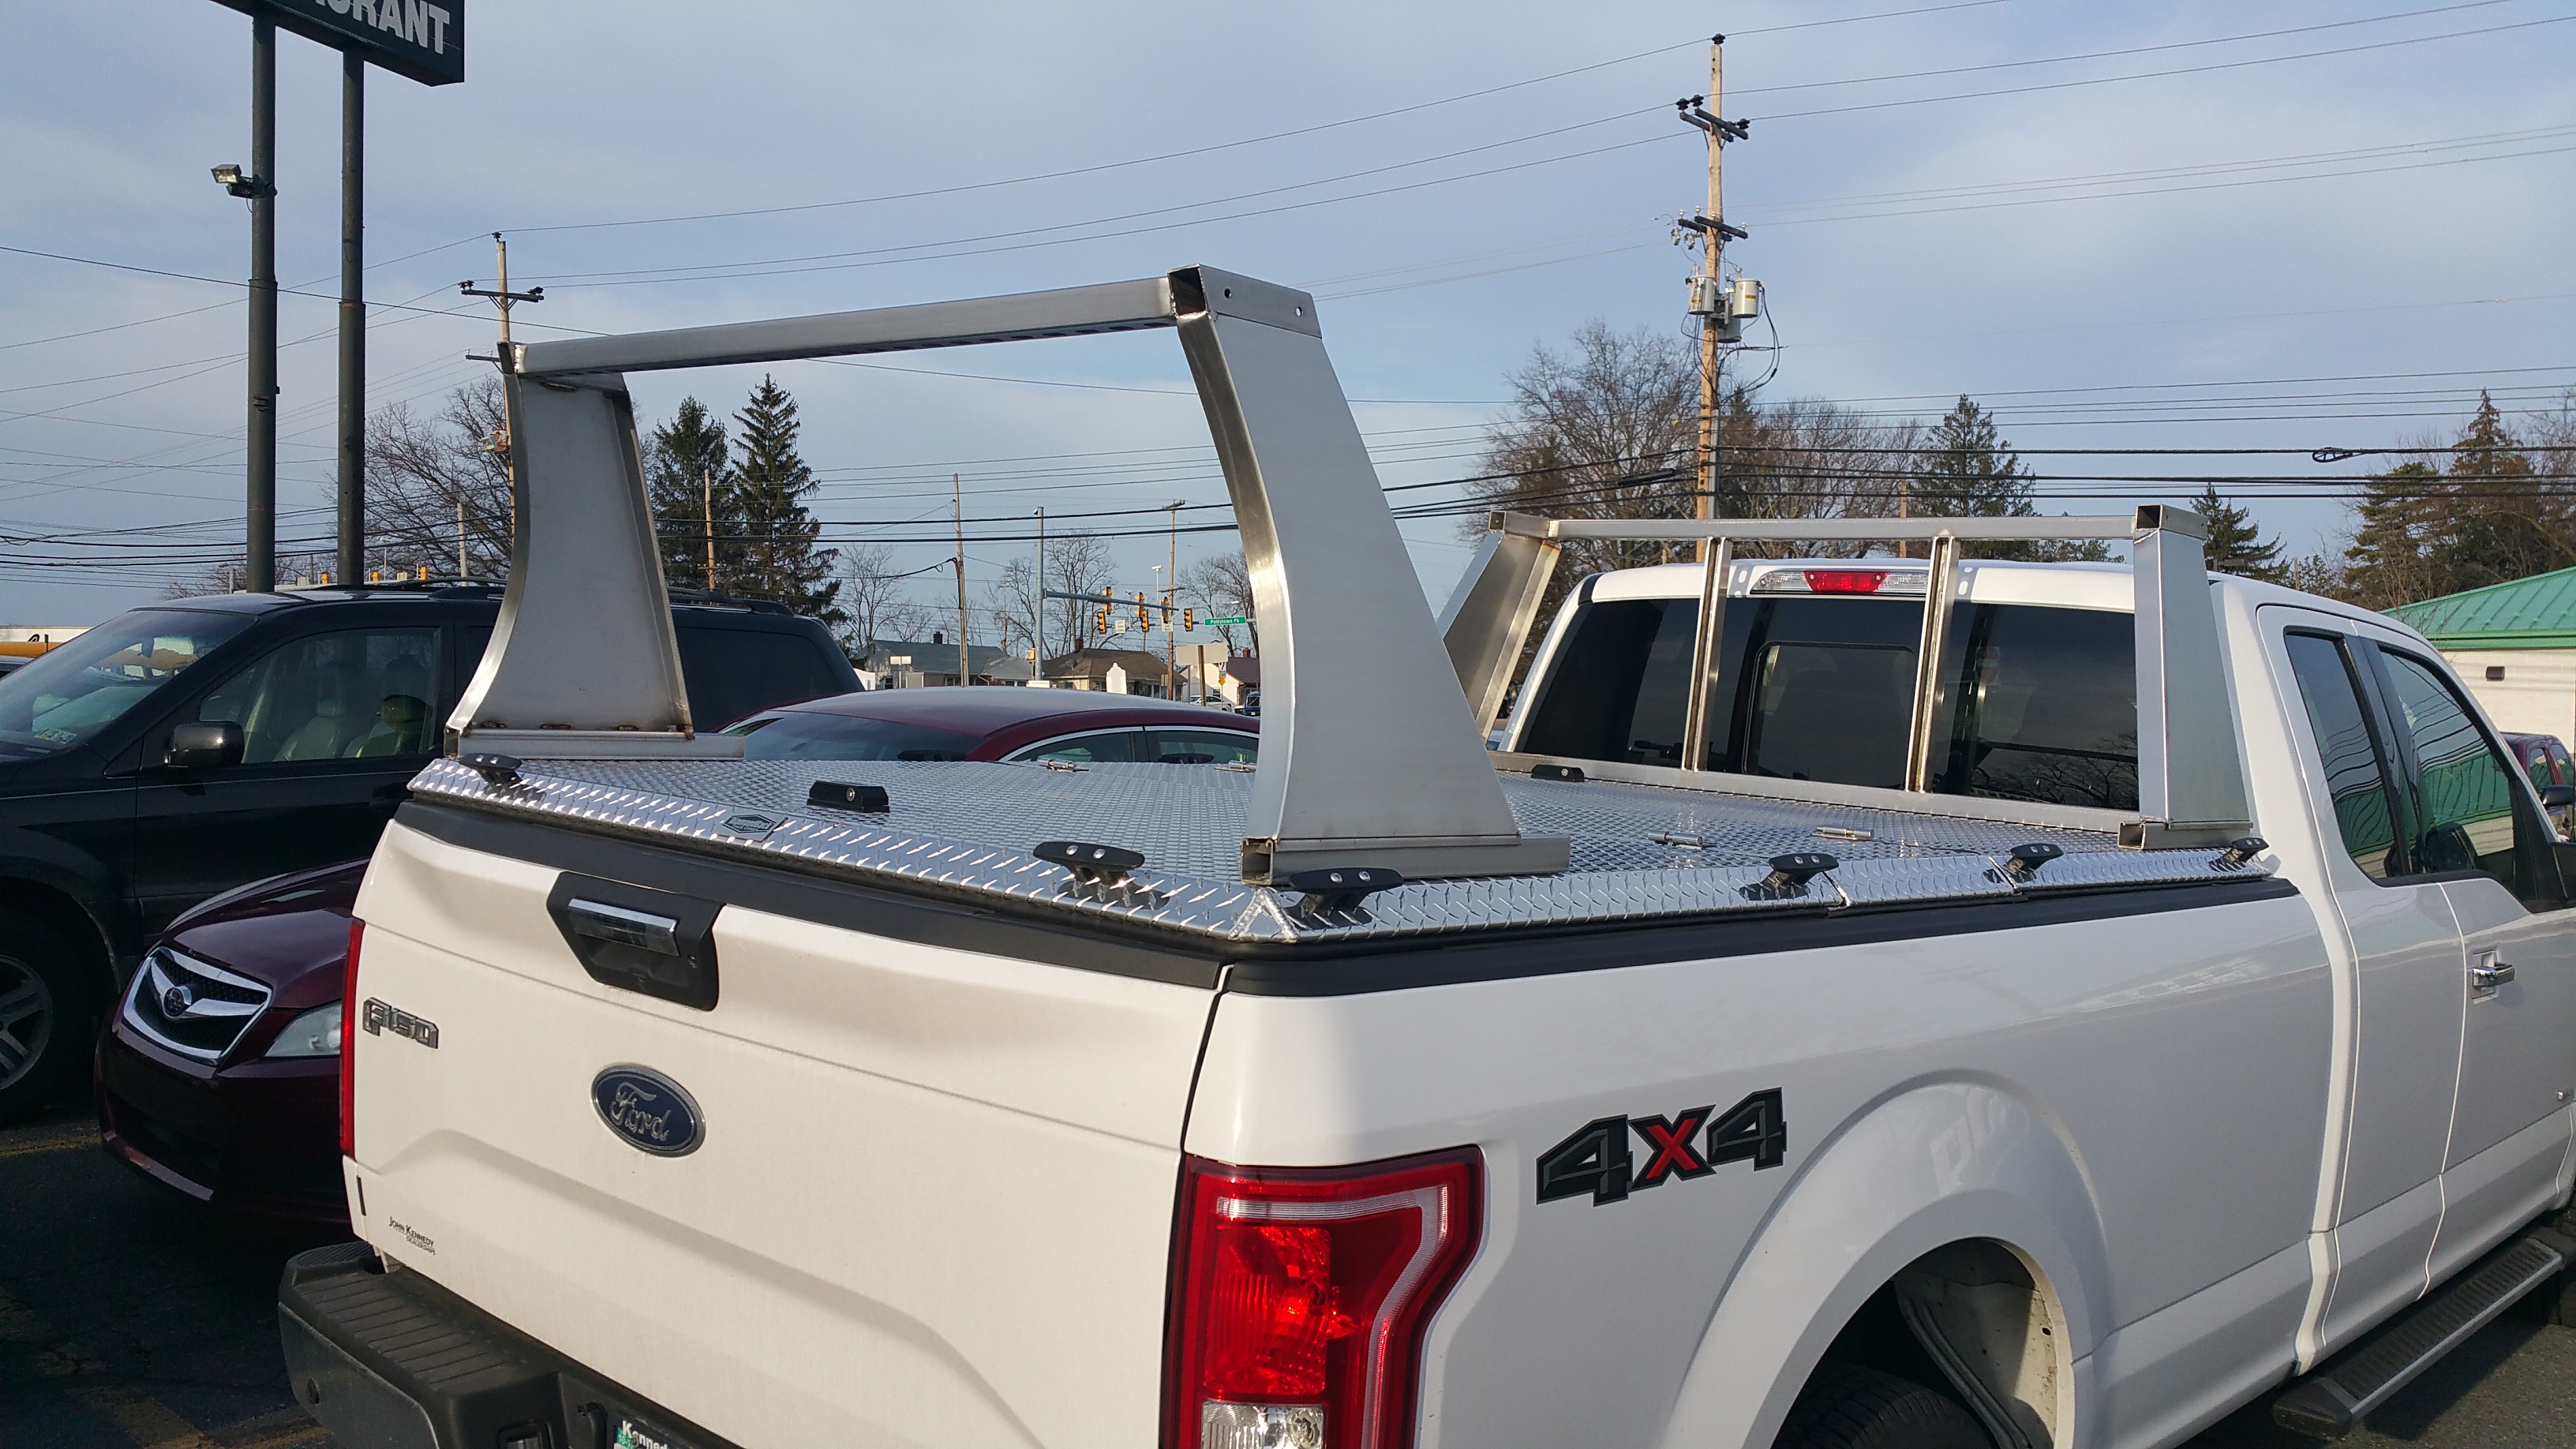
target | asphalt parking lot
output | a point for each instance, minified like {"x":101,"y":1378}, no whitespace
{"x":129,"y":1318}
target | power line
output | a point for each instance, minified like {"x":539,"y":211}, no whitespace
{"x":1215,"y":147}
{"x":2115,"y":54}
{"x":2161,"y":74}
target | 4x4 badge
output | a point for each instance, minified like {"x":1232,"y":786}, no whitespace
{"x":1597,"y":1161}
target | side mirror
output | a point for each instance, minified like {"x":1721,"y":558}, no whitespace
{"x":208,"y":745}
{"x":2557,"y":797}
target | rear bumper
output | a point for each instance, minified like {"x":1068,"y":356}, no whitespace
{"x":389,"y":1359}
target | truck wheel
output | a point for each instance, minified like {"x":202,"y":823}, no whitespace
{"x":1846,"y":1406}
{"x":44,"y":1014}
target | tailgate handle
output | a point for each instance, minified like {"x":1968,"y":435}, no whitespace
{"x":633,"y":938}
{"x":640,"y":929}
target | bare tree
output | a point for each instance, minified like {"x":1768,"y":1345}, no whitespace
{"x":1221,"y":586}
{"x":873,"y":594}
{"x":1076,"y":563}
{"x":428,"y":479}
{"x":1605,"y":431}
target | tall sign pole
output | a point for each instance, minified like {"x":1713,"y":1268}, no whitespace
{"x":353,"y":315}
{"x":261,"y":510}
{"x":424,"y":42}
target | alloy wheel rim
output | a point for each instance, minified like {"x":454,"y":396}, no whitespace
{"x":26,"y":1020}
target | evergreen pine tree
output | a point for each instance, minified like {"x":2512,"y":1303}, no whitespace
{"x":1966,"y":468}
{"x":780,"y":560}
{"x":685,"y":468}
{"x":2390,"y":561}
{"x":2236,"y":545}
{"x":2493,"y":529}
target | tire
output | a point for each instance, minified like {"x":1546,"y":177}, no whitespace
{"x":1846,"y":1406}
{"x":45,"y":1015}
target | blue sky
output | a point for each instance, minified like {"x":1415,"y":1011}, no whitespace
{"x":2185,"y":225}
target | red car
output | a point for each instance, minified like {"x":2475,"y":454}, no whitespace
{"x":1078,"y":726}
{"x":219,"y":1074}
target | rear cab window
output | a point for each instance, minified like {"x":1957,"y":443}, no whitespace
{"x":2037,"y":702}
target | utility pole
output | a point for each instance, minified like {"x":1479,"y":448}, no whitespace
{"x":1171,"y":592}
{"x":502,"y":300}
{"x":957,"y":505}
{"x":1718,"y":321}
{"x":262,"y":510}
{"x":1037,"y":607}
{"x":707,"y":493}
{"x":353,"y":314}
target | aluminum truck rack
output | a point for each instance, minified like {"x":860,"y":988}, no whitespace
{"x":1371,"y":757}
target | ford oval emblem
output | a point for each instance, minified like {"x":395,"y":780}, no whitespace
{"x":653,"y":1113}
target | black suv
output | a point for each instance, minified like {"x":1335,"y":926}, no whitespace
{"x":336,"y":698}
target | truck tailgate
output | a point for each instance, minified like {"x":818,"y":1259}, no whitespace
{"x":932,"y":1199}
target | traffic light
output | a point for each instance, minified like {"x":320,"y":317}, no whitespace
{"x":1144,"y":620}
{"x":1100,"y":620}
{"x":1189,"y":620}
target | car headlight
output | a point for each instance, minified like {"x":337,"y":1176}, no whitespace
{"x":314,"y":1034}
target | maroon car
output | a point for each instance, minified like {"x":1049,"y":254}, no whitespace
{"x":1076,"y":726}
{"x":219,"y":1074}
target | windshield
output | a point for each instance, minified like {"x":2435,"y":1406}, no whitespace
{"x":64,"y":697}
{"x":803,"y":736}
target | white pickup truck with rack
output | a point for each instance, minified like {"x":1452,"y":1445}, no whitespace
{"x":1916,"y":1004}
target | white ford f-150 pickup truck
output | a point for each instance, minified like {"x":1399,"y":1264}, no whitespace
{"x":1915,"y":1003}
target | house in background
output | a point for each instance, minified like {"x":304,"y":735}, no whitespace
{"x":1137,"y":672}
{"x":2514,"y":645}
{"x":921,"y":663}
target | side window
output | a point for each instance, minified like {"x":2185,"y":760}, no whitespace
{"x":1106,"y":747}
{"x":1201,"y":747}
{"x":2467,"y":806}
{"x":354,"y":695}
{"x":2356,"y":778}
{"x":732,"y":673}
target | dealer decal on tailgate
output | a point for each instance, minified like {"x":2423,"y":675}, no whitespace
{"x":1598,"y":1159}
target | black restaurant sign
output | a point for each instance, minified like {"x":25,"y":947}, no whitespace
{"x":421,"y":39}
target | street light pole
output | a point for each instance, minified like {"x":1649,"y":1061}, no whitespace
{"x":261,"y":513}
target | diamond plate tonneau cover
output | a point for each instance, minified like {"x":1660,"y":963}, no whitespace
{"x":1640,"y":852}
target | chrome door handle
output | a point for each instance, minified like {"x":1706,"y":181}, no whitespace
{"x":2488,"y":978}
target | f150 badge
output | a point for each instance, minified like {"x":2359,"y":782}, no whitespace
{"x":1598,"y":1160}
{"x":653,"y":1113}
{"x":378,"y":1018}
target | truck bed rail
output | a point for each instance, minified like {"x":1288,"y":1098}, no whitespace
{"x":1638,"y":852}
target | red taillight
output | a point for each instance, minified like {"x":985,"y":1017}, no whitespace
{"x":1845,"y":581}
{"x":1302,"y":1296}
{"x":349,"y":1042}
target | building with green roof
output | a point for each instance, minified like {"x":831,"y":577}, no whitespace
{"x":2515,"y":646}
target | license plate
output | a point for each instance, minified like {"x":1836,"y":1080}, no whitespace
{"x":626,"y":1431}
{"x":611,"y":1427}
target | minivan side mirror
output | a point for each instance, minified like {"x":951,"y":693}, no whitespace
{"x":2557,"y":797}
{"x":204,"y":745}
